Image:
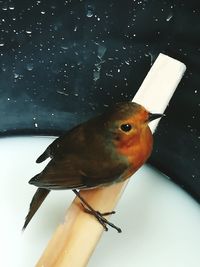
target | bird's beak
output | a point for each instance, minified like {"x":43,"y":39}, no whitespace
{"x":153,"y":116}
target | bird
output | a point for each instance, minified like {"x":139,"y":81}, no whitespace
{"x":104,"y":150}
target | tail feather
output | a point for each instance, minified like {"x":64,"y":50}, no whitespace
{"x":36,"y":202}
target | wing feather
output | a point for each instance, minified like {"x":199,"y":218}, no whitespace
{"x":82,"y":158}
{"x":67,"y":175}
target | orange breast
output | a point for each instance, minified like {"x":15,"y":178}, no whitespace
{"x":137,"y":149}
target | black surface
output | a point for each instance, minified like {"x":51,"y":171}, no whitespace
{"x":62,"y":62}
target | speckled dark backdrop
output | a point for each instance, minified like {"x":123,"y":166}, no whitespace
{"x":62,"y":62}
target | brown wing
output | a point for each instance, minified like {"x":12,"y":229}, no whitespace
{"x":81,"y":159}
{"x":50,"y":150}
{"x":66,"y":174}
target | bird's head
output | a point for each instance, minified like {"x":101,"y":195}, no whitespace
{"x":129,"y":119}
{"x":127,"y":126}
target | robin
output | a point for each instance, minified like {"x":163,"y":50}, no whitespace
{"x":104,"y":150}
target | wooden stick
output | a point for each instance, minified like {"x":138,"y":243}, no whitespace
{"x":74,"y":241}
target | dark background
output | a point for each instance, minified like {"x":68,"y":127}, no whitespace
{"x":62,"y":62}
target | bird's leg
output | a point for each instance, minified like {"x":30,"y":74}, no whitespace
{"x":91,"y":210}
{"x":97,"y":214}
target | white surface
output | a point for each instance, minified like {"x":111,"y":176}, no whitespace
{"x":160,"y":222}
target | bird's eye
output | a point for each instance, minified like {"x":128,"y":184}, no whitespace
{"x":126,"y":127}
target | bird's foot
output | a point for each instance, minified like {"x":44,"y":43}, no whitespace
{"x":100,"y":217}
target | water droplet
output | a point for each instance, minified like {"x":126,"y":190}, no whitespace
{"x":11,"y":7}
{"x":89,"y":10}
{"x":152,"y":57}
{"x":29,"y":66}
{"x":109,"y":74}
{"x":64,"y":47}
{"x":62,"y":93}
{"x":5,"y":7}
{"x":96,"y":75}
{"x":101,"y":51}
{"x":170,"y":16}
{"x":3,"y":67}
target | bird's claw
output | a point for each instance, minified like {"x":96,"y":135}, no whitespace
{"x":100,"y":213}
{"x":106,"y":213}
{"x":103,"y":221}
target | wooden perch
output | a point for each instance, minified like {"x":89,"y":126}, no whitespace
{"x":74,"y":241}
